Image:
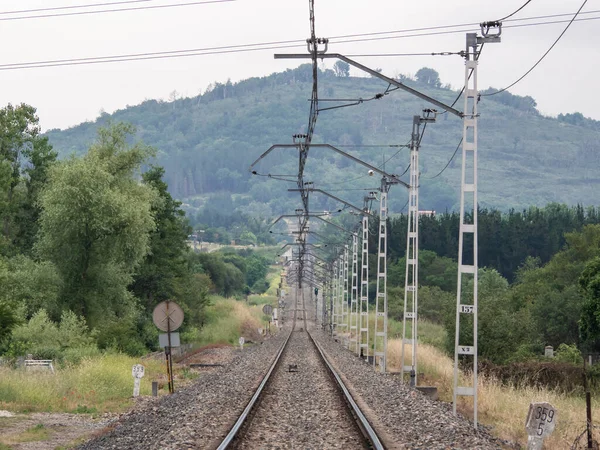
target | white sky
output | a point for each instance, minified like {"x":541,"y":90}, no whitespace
{"x":566,"y":81}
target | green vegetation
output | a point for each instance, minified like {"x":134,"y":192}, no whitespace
{"x":227,"y":320}
{"x":547,"y":304}
{"x":91,"y":244}
{"x":95,"y":385}
{"x":206,"y":144}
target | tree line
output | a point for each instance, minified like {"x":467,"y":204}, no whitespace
{"x":90,"y":244}
{"x":539,"y":279}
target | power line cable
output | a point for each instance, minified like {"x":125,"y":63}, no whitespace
{"x":438,"y":27}
{"x":59,"y":8}
{"x":513,"y":13}
{"x":363,"y":176}
{"x":543,"y":56}
{"x":448,"y":163}
{"x":104,"y":11}
{"x":184,"y":53}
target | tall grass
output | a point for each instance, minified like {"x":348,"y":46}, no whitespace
{"x":104,"y":383}
{"x":228,"y":319}
{"x":96,"y":385}
{"x":502,"y":407}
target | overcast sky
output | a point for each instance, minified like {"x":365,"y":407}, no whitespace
{"x":566,"y":81}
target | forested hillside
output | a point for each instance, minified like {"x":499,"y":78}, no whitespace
{"x":206,"y":144}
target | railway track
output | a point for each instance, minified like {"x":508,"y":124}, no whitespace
{"x":301,"y":402}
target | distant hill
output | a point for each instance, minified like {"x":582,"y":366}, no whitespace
{"x":206,"y":144}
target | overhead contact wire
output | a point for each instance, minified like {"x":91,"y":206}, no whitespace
{"x":543,"y":56}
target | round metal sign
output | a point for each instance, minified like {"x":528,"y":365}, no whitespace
{"x":167,"y":316}
{"x":267,"y":309}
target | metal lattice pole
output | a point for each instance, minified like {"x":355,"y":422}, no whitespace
{"x":411,"y":281}
{"x":468,"y":230}
{"x":340,"y":293}
{"x":324,"y":302}
{"x":380,"y":338}
{"x":334,"y":298}
{"x":363,"y":317}
{"x":344,"y":321}
{"x":354,"y":297}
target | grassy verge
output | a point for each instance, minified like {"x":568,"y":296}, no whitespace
{"x":104,"y":383}
{"x":34,"y":434}
{"x":96,"y":385}
{"x":228,"y":319}
{"x":504,"y":408}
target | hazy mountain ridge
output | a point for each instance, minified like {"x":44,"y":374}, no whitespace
{"x":207,"y":143}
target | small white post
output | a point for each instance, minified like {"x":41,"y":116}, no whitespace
{"x":137,"y":372}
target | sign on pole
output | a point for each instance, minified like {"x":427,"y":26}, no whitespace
{"x":137,"y":372}
{"x":168,"y":316}
{"x":163,"y":340}
{"x":541,"y":420}
{"x":267,"y":309}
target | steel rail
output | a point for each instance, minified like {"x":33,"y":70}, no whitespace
{"x":361,"y":419}
{"x":253,"y":401}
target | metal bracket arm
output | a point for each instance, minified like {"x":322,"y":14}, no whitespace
{"x":356,"y":208}
{"x":375,"y":74}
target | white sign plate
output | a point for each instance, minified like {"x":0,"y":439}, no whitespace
{"x":163,"y":340}
{"x":241,"y":340}
{"x":541,"y":420}
{"x":137,"y":371}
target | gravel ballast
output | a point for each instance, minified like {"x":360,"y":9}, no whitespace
{"x":405,"y":417}
{"x":198,"y":416}
{"x":301,"y":408}
{"x":301,"y":411}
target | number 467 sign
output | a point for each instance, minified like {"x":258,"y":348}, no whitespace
{"x":541,"y":421}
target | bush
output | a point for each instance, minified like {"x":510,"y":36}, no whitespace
{"x":44,"y":339}
{"x":568,"y":354}
{"x":121,"y":335}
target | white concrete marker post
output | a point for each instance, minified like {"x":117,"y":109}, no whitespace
{"x":241,"y":341}
{"x":541,"y":420}
{"x":137,"y":372}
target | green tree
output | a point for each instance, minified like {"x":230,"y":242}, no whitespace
{"x":165,"y":262}
{"x":428,"y":76}
{"x":589,"y":323}
{"x":341,"y":69}
{"x":41,"y":158}
{"x":95,"y":224}
{"x":24,"y":159}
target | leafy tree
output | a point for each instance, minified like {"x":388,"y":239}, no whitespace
{"x":428,"y":76}
{"x":8,"y":320}
{"x":24,"y":159}
{"x":227,"y":279}
{"x":165,"y":262}
{"x":95,"y":224}
{"x":341,"y":69}
{"x":44,"y":338}
{"x":29,"y":286}
{"x":41,"y":158}
{"x":589,"y":282}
